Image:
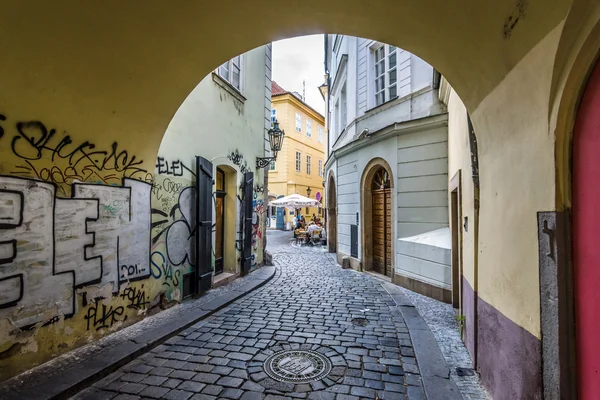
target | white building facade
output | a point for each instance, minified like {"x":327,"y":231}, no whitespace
{"x":387,"y":167}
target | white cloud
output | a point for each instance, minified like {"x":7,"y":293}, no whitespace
{"x":300,"y":59}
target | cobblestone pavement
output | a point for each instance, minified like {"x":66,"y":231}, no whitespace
{"x":95,"y":349}
{"x":342,"y":316}
{"x":441,"y":319}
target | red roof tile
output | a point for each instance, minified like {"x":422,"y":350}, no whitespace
{"x":276,"y":89}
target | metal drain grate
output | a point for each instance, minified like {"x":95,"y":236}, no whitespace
{"x":297,"y":366}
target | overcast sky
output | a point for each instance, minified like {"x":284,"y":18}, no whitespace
{"x":298,"y":59}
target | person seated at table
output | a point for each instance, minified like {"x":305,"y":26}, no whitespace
{"x":311,"y":228}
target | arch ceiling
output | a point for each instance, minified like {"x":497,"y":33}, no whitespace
{"x":118,"y":71}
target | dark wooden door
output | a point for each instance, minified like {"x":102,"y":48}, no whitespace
{"x":379,"y":231}
{"x":382,"y":232}
{"x":248,"y":198}
{"x":388,"y":232}
{"x":220,"y":221}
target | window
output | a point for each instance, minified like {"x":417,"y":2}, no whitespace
{"x":272,"y":166}
{"x":308,"y":127}
{"x":231,"y":72}
{"x":320,"y":168}
{"x":298,"y":161}
{"x":320,"y":134}
{"x":343,"y":108}
{"x":386,"y":74}
{"x":336,"y":118}
{"x":273,"y":116}
{"x":308,"y":165}
{"x":298,"y":122}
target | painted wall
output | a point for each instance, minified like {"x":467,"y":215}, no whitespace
{"x":459,"y":161}
{"x":285,"y":180}
{"x":352,"y":67}
{"x":91,"y":239}
{"x":419,"y":180}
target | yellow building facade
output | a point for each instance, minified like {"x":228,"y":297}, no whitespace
{"x":301,"y":161}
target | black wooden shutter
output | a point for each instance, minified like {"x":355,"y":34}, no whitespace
{"x":204,"y":222}
{"x":354,"y":241}
{"x":248,"y":197}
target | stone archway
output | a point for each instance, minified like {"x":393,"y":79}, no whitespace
{"x":331,"y":215}
{"x":377,"y":211}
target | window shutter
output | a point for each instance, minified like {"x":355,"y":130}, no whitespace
{"x":248,"y":197}
{"x":204,"y":182}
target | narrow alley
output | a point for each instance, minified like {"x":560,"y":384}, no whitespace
{"x":356,"y":344}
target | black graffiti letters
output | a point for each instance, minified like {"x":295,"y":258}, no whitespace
{"x":174,"y":168}
{"x":101,"y":316}
{"x":131,"y":270}
{"x":2,"y":118}
{"x":135,"y":296}
{"x":34,"y":141}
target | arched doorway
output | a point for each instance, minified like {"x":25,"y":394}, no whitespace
{"x":586,"y":219}
{"x":225,"y":220}
{"x":331,"y":215}
{"x":377,"y":211}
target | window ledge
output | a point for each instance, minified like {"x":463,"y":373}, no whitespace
{"x":228,"y":87}
{"x":382,"y":104}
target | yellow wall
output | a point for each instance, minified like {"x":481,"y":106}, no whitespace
{"x":459,"y":159}
{"x":285,"y":180}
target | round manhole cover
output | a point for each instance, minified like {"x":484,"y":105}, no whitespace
{"x":360,"y":322}
{"x":297,"y":366}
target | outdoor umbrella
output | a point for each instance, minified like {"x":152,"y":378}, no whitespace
{"x":294,"y":201}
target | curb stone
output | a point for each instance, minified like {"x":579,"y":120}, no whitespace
{"x":435,"y":373}
{"x":71,"y":380}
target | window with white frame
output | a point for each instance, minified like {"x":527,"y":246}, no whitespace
{"x":298,"y":122}
{"x":386,"y":73}
{"x":336,"y":117}
{"x":343,"y":108}
{"x":273,"y":116}
{"x":231,"y":71}
{"x":308,"y":127}
{"x":272,"y":166}
{"x":320,"y":137}
{"x":298,"y":161}
{"x":308,"y":165}
{"x":320,"y":168}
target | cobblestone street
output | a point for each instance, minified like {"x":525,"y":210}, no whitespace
{"x":311,"y":304}
{"x":356,"y":346}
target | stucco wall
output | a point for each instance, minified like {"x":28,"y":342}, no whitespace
{"x":421,"y":181}
{"x":459,"y":159}
{"x":516,"y":157}
{"x":101,"y":238}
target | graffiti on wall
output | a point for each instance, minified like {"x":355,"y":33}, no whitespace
{"x":50,"y":246}
{"x":237,"y":158}
{"x":173,"y":232}
{"x":34,"y":145}
{"x":173,"y":167}
{"x":258,"y":220}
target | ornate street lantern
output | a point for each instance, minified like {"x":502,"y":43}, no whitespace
{"x":276,"y":136}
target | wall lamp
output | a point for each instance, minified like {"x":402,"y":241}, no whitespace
{"x":276,"y":136}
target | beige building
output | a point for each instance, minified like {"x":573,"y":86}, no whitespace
{"x":300,"y":164}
